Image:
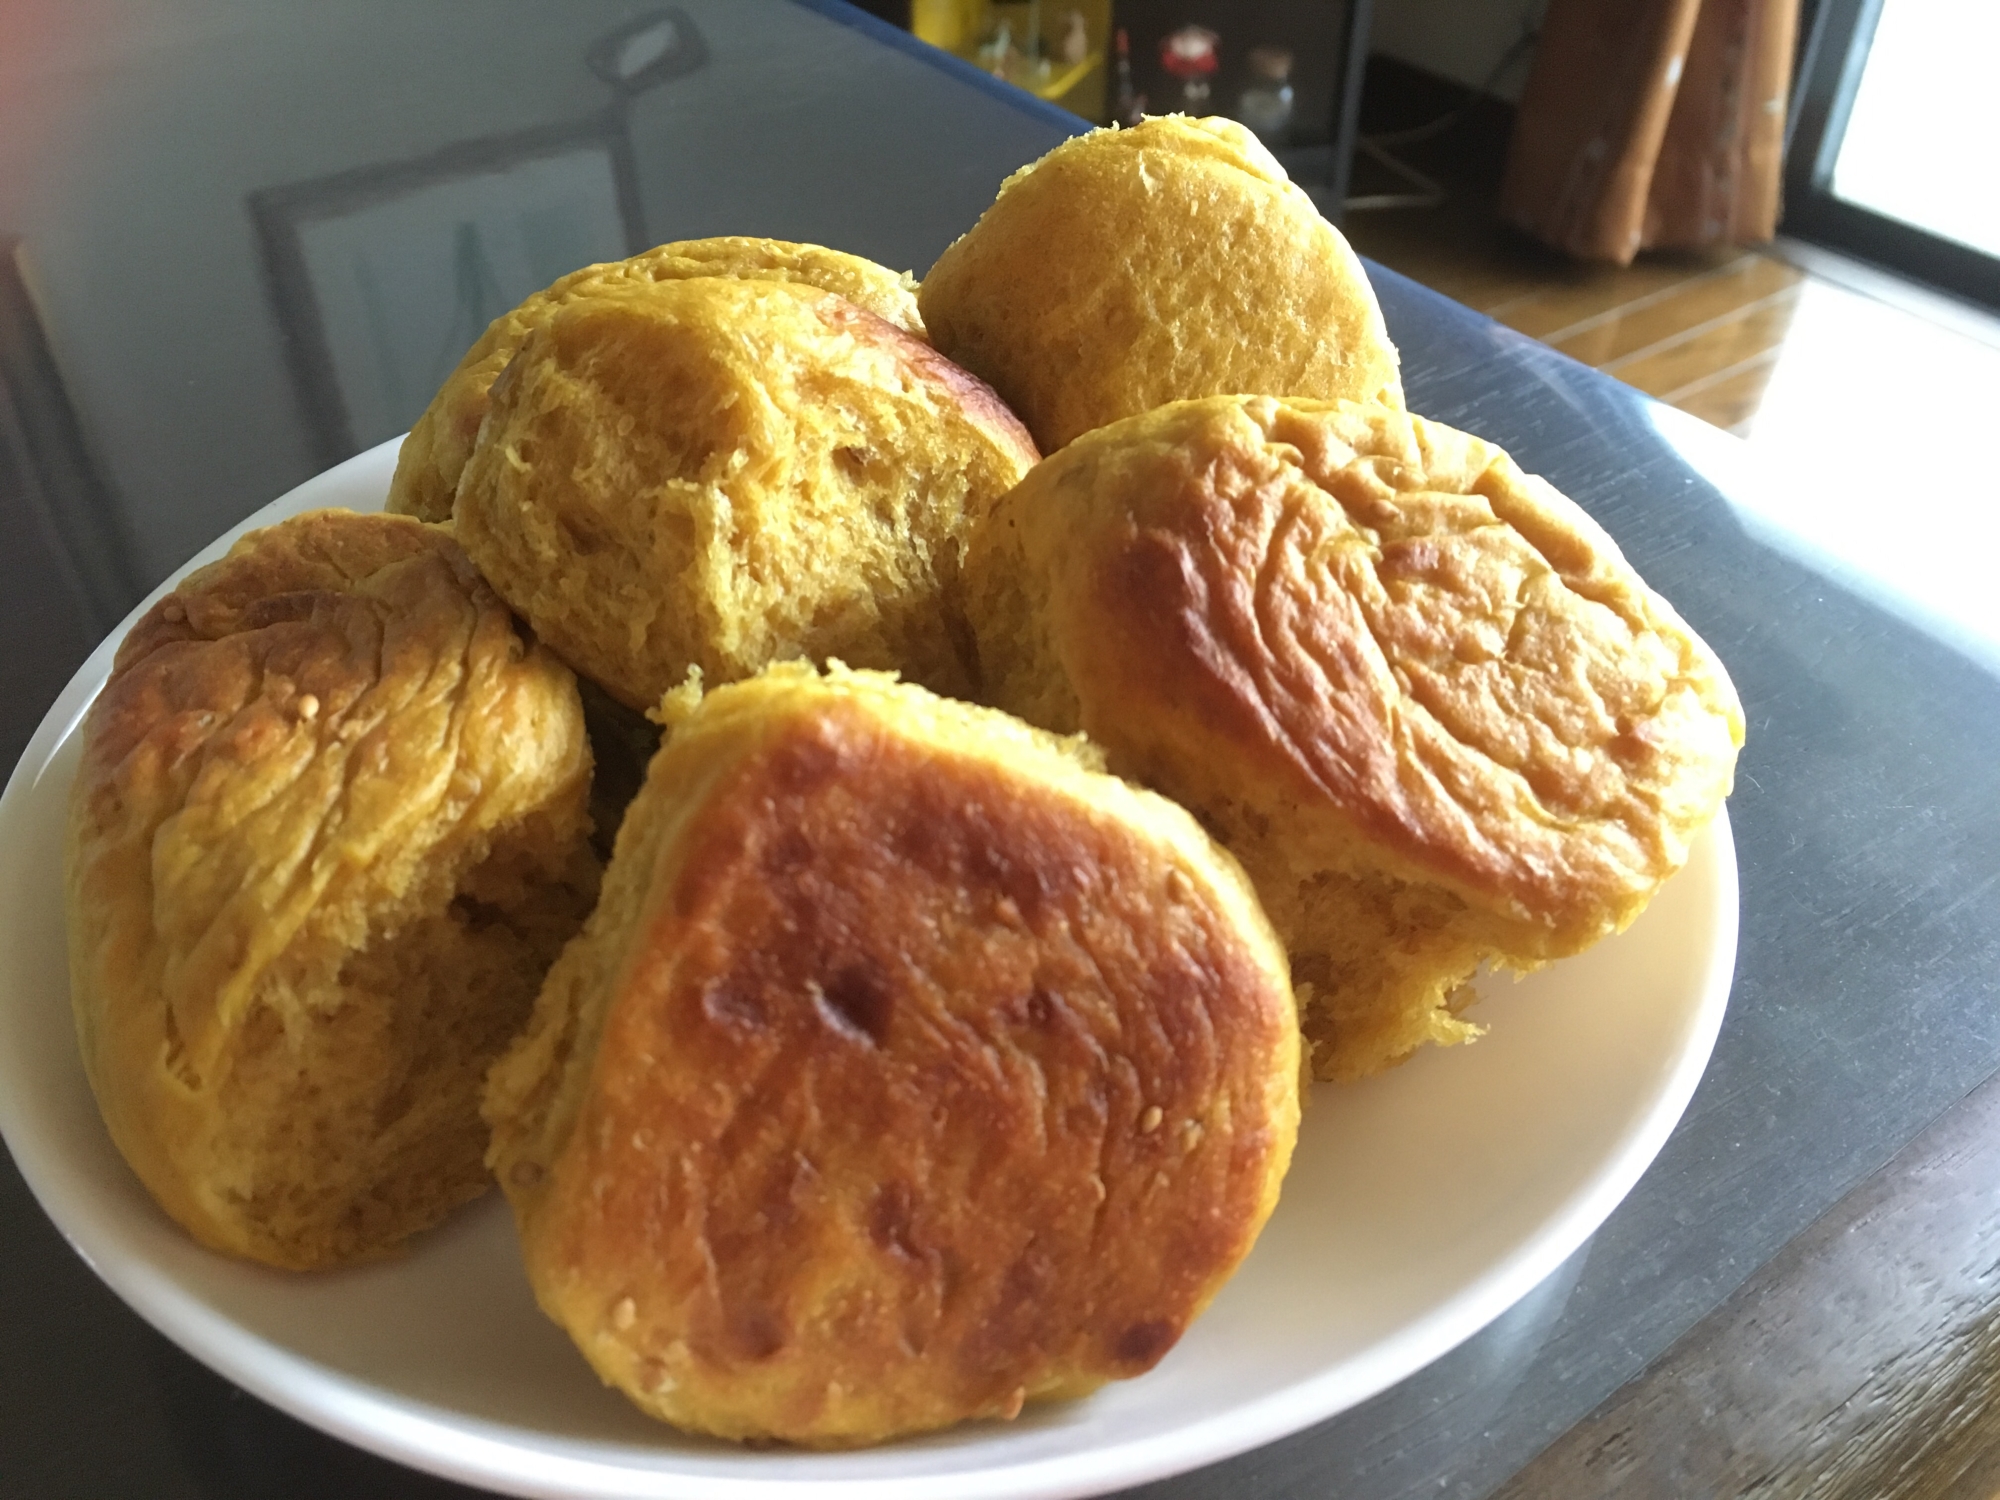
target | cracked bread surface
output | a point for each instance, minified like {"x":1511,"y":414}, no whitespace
{"x":910,"y":1069}
{"x":434,"y":455}
{"x":721,"y":474}
{"x":328,"y":830}
{"x":1418,"y":693}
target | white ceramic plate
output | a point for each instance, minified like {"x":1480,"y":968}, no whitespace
{"x":1420,"y":1206}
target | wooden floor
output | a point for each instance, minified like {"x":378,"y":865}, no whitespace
{"x":1744,"y":339}
{"x":1863,"y":401}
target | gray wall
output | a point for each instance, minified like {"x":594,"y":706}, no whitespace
{"x":1458,"y":39}
{"x":131,"y":133}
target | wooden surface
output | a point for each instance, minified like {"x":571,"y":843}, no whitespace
{"x":1861,"y":1363}
{"x":1711,"y":333}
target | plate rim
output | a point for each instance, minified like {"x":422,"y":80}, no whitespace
{"x":474,"y":1450}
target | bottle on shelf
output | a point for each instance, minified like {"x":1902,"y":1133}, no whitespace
{"x":1075,"y":46}
{"x":1266,"y":105}
{"x":1190,"y":55}
{"x":1128,"y":107}
{"x":1058,"y":51}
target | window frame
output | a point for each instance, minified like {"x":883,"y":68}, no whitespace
{"x":1834,"y":48}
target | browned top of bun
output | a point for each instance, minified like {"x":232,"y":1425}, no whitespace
{"x":435,"y":452}
{"x":908,"y":1070}
{"x":302,"y":755}
{"x":1333,"y":611}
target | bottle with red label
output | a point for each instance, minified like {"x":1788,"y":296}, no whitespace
{"x":1189,"y":54}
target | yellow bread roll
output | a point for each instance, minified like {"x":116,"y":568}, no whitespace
{"x":434,"y":454}
{"x":721,"y":474}
{"x":910,"y":1069}
{"x":327,"y":833}
{"x":1417,"y":692}
{"x":1128,"y":268}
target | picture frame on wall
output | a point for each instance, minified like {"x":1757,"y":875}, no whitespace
{"x":382,"y":277}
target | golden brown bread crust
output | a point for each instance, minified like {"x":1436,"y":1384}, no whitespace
{"x":1417,"y":692}
{"x":1129,"y":268}
{"x":434,"y":454}
{"x":328,"y":830}
{"x":908,"y":1070}
{"x":720,"y":474}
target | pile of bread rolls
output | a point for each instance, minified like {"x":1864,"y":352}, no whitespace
{"x":1023,"y":829}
